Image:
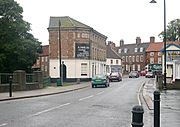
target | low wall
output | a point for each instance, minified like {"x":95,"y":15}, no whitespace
{"x":20,"y":82}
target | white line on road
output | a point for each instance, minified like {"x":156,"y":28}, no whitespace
{"x":4,"y":124}
{"x":50,"y":109}
{"x":86,"y":97}
{"x":138,"y":95}
{"x":100,"y":93}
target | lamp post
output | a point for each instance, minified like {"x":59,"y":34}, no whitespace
{"x":164,"y":40}
{"x":60,"y":68}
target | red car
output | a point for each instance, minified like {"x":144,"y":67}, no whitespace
{"x":143,"y":73}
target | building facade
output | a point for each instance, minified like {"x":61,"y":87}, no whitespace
{"x":133,"y":55}
{"x":113,"y":60}
{"x":82,"y":52}
{"x":42,"y":63}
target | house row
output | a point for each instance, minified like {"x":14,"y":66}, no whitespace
{"x":80,"y":52}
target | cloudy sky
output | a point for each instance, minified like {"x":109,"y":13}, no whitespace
{"x":117,"y":19}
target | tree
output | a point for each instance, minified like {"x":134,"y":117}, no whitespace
{"x":18,"y":47}
{"x":173,"y":31}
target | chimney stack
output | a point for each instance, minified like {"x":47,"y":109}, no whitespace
{"x":121,"y":42}
{"x":138,"y":40}
{"x":152,"y":39}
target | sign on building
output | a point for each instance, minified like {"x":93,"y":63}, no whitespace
{"x":82,"y":50}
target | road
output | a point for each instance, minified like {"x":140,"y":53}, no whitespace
{"x":90,"y":107}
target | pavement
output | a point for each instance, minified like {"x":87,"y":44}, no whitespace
{"x":49,"y":90}
{"x":169,"y":105}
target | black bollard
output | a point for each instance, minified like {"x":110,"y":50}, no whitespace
{"x":137,"y":116}
{"x":10,"y":86}
{"x":156,"y":108}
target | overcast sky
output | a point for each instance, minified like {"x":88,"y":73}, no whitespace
{"x":116,"y":19}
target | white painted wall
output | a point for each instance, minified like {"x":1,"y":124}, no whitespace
{"x":73,"y":68}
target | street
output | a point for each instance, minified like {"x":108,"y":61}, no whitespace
{"x":97,"y":107}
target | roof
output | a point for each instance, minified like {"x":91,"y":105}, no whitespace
{"x":65,"y":21}
{"x":110,"y":53}
{"x":131,"y":48}
{"x":156,"y":47}
{"x":45,"y":50}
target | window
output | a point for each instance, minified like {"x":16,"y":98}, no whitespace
{"x":117,"y":62}
{"x":159,"y":53}
{"x":119,"y":51}
{"x":126,"y":58}
{"x":139,"y":67}
{"x":136,"y":49}
{"x":151,"y":60}
{"x":130,"y":59}
{"x":137,"y":58}
{"x":83,"y":69}
{"x":133,"y":58}
{"x":159,"y":60}
{"x":123,"y":59}
{"x":111,"y":61}
{"x":141,"y":58}
{"x":125,"y":50}
{"x":151,"y":53}
{"x":141,"y":49}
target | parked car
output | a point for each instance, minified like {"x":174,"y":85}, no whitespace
{"x":150,"y":75}
{"x":143,"y":73}
{"x":133,"y":74}
{"x":100,"y":80}
{"x":115,"y":76}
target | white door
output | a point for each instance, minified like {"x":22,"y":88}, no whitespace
{"x":177,"y":71}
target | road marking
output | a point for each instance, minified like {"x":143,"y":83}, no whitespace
{"x":100,"y":93}
{"x":50,"y":109}
{"x":4,"y":124}
{"x":86,"y":97}
{"x":138,"y":95}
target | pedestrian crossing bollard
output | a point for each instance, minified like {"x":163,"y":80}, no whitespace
{"x":156,"y":108}
{"x":10,"y":86}
{"x":137,"y":116}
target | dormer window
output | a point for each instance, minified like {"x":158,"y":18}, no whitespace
{"x":141,"y":49}
{"x":119,"y":51}
{"x":135,"y":49}
{"x":125,"y":50}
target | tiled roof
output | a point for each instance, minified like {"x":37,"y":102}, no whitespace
{"x":131,"y":48}
{"x":45,"y":50}
{"x":110,"y":53}
{"x":66,"y":21}
{"x":155,"y":47}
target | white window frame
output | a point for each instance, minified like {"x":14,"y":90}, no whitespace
{"x":84,"y":69}
{"x":151,"y":53}
{"x":141,"y":49}
{"x":135,"y":49}
{"x":152,"y":60}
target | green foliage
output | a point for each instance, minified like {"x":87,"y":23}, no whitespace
{"x":173,"y":31}
{"x":18,"y":47}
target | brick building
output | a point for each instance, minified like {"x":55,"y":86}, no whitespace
{"x":133,"y":55}
{"x":42,"y":63}
{"x":83,"y":49}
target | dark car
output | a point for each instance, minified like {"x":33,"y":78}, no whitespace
{"x":115,"y":76}
{"x":100,"y":80}
{"x":143,"y":73}
{"x":133,"y":74}
{"x":150,"y":75}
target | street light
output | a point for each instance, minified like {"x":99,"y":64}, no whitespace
{"x":60,"y":68}
{"x":164,"y":40}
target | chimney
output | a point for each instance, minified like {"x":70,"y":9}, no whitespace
{"x":152,"y":39}
{"x":121,"y":42}
{"x":138,"y":40}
